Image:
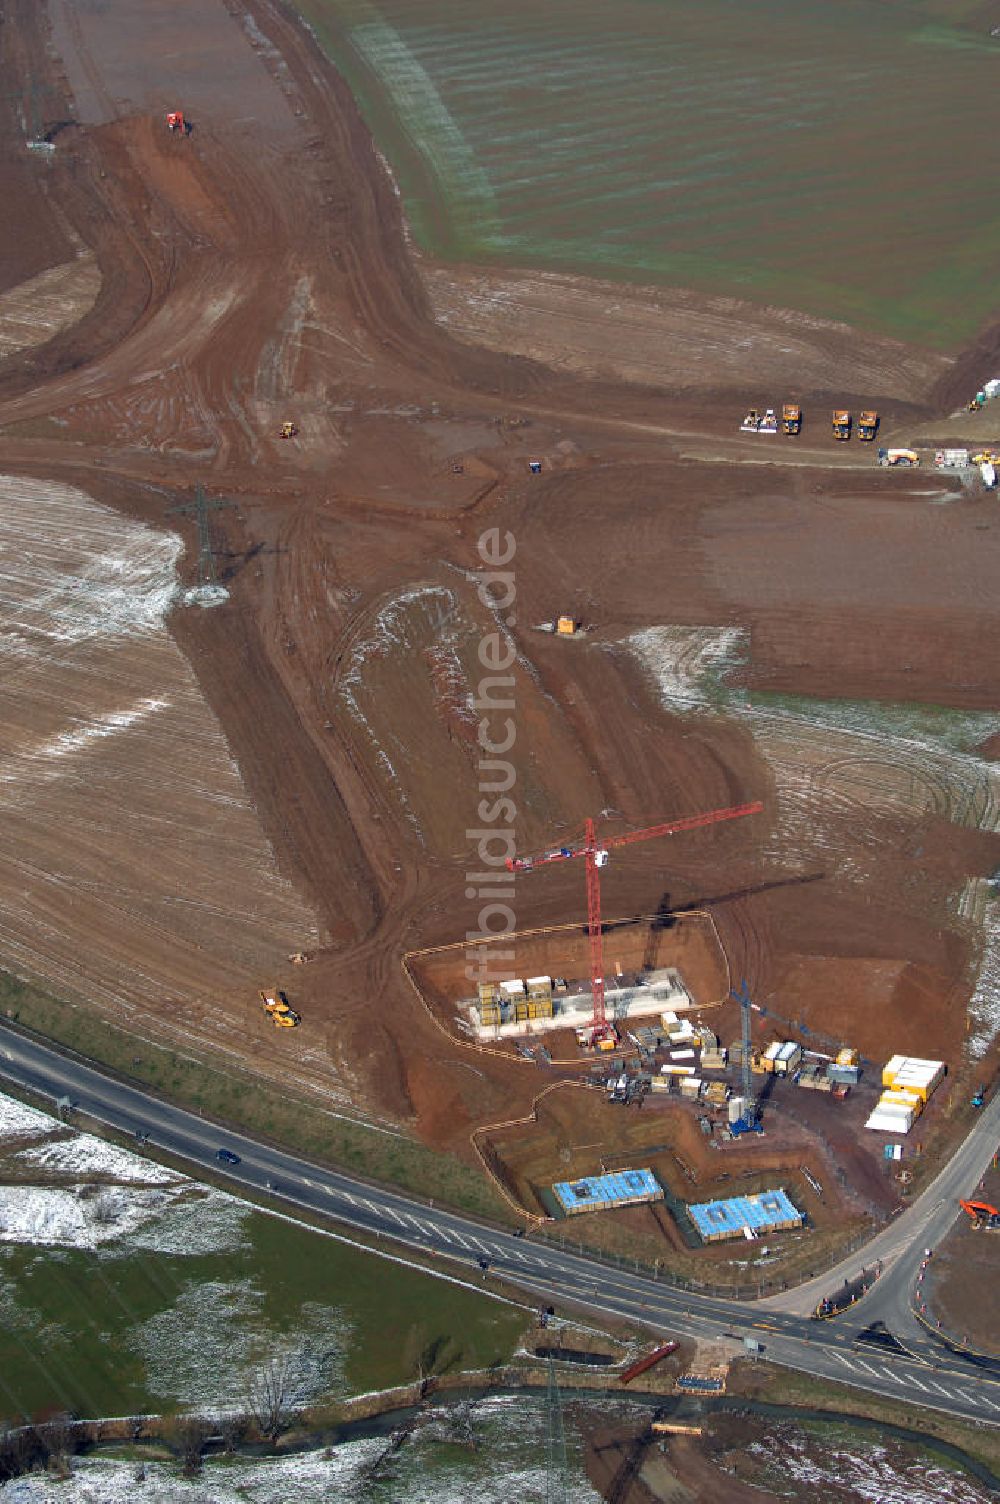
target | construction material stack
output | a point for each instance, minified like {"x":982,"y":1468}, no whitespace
{"x":846,"y":1069}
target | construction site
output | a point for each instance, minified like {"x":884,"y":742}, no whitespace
{"x":259,"y":457}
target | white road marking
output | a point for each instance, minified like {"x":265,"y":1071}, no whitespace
{"x":908,"y":1378}
{"x":946,"y":1392}
{"x":844,"y":1361}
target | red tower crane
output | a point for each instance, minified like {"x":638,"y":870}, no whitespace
{"x":595,"y":856}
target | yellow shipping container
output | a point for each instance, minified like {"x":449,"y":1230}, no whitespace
{"x":890,"y":1069}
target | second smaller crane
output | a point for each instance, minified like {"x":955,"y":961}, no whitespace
{"x":748,"y":1119}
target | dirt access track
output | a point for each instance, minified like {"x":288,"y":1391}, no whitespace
{"x":318,"y":790}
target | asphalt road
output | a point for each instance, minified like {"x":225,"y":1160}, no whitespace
{"x":931,"y":1376}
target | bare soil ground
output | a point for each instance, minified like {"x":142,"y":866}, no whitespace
{"x":257,"y":270}
{"x":961,"y":1273}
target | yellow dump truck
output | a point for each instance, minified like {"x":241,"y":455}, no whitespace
{"x":841,"y":424}
{"x":791,"y":418}
{"x":867,"y":425}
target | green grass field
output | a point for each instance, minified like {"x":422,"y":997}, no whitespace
{"x":130,"y":1329}
{"x":834,"y":158}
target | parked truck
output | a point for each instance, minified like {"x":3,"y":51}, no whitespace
{"x":791,"y":418}
{"x":867,"y":426}
{"x":841,"y":424}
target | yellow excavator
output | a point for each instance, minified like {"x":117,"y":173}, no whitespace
{"x":277,"y":1009}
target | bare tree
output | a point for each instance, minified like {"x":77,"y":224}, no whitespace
{"x":187,"y":1435}
{"x":269,"y":1394}
{"x":57,"y":1436}
{"x":233,"y":1429}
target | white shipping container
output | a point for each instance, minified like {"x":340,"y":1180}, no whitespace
{"x":682,"y":1054}
{"x":890,"y":1120}
{"x":676,"y":1070}
{"x":908,"y":1101}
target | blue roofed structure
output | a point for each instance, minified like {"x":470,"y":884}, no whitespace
{"x":596,"y":1193}
{"x":744,"y":1216}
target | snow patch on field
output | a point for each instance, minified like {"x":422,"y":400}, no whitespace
{"x":18,"y":1121}
{"x":199,"y":1221}
{"x":78,"y":1217}
{"x":984,"y":1007}
{"x":204,"y":1351}
{"x":688,"y":662}
{"x":873,"y":1475}
{"x":64,"y":585}
{"x":400,"y":628}
{"x":86,"y":1155}
{"x":119,"y":1202}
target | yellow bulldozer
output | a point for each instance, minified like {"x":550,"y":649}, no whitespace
{"x":277,"y":1009}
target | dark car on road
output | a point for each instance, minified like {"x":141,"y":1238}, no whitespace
{"x":227,"y":1157}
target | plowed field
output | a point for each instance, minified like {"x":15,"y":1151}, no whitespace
{"x":194,"y":793}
